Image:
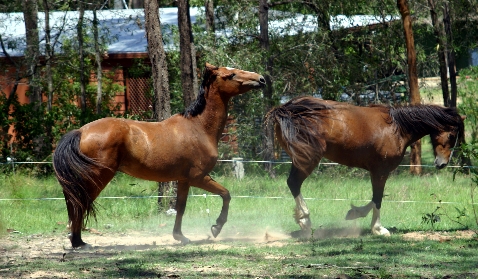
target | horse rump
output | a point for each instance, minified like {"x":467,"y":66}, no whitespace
{"x":296,"y":124}
{"x":74,"y":172}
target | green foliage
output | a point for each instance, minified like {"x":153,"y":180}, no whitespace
{"x":431,"y":218}
{"x":468,"y":93}
{"x":327,"y":62}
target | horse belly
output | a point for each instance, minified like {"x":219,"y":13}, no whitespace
{"x":346,"y":158}
{"x":156,"y":163}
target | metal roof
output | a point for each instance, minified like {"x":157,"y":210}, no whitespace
{"x":126,"y":28}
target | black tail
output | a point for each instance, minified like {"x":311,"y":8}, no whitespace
{"x":74,"y":171}
{"x":298,"y":121}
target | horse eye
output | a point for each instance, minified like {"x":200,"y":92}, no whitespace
{"x":232,"y":76}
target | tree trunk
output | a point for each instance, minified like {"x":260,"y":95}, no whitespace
{"x":48,"y":55}
{"x":135,"y":4}
{"x":118,"y":4}
{"x":99,"y":70}
{"x":268,"y":140}
{"x":186,"y":46}
{"x":451,"y":54}
{"x":159,"y":69}
{"x":415,"y":152}
{"x":32,"y":52}
{"x":81,"y":54}
{"x":209,"y":6}
{"x":48,"y":76}
{"x":440,"y":37}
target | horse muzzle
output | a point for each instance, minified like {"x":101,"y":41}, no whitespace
{"x":440,"y":163}
{"x":259,"y":83}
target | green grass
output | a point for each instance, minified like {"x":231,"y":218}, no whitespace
{"x":267,"y":207}
{"x":256,"y":200}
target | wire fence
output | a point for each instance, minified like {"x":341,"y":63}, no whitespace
{"x":237,"y":162}
{"x":13,"y":163}
{"x":239,"y":197}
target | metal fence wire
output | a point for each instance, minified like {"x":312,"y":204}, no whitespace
{"x":139,"y":95}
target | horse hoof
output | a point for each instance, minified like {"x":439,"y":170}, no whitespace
{"x":77,"y":242}
{"x":305,"y":224}
{"x":85,"y":246}
{"x":180,"y":237}
{"x":215,"y":230}
{"x":380,"y":231}
{"x":352,"y":214}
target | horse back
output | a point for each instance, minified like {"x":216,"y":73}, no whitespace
{"x":361,"y":137}
{"x":165,"y":151}
{"x":309,"y":129}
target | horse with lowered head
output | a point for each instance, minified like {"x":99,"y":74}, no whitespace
{"x":373,"y":138}
{"x":183,"y":147}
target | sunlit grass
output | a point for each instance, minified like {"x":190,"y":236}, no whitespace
{"x":258,"y":203}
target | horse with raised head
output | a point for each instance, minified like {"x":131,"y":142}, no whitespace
{"x":182,"y":147}
{"x":373,"y":138}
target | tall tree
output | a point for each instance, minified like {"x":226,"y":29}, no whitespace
{"x":187,"y":53}
{"x":209,"y":10}
{"x":157,"y":55}
{"x":268,"y":140}
{"x":48,"y":55}
{"x":99,"y":70}
{"x":438,"y":30}
{"x":451,"y":54}
{"x":48,"y":76}
{"x":416,"y":148}
{"x":159,"y":68}
{"x":81,"y":54}
{"x":32,"y":52}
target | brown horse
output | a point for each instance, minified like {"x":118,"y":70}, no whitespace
{"x":372,"y":138}
{"x":182,"y":148}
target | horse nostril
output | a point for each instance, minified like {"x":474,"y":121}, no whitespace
{"x":262,"y":80}
{"x":440,"y":166}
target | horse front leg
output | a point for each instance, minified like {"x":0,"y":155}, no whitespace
{"x":208,"y":184}
{"x":378,"y":185}
{"x":377,"y":227}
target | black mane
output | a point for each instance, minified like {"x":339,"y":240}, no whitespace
{"x":424,"y":119}
{"x":199,"y":104}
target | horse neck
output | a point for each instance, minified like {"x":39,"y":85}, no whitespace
{"x":214,"y":117}
{"x":410,"y":138}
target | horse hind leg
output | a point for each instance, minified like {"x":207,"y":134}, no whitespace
{"x":181,"y":200}
{"x":80,"y":201}
{"x":301,"y":211}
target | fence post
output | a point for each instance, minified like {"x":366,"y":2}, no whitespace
{"x":238,"y":168}
{"x":11,"y":158}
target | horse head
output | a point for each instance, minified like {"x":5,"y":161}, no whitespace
{"x":444,"y":142}
{"x":231,"y":82}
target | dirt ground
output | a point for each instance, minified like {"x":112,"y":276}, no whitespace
{"x":14,"y":246}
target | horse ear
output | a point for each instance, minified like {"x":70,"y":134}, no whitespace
{"x":210,"y":67}
{"x":463,"y":117}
